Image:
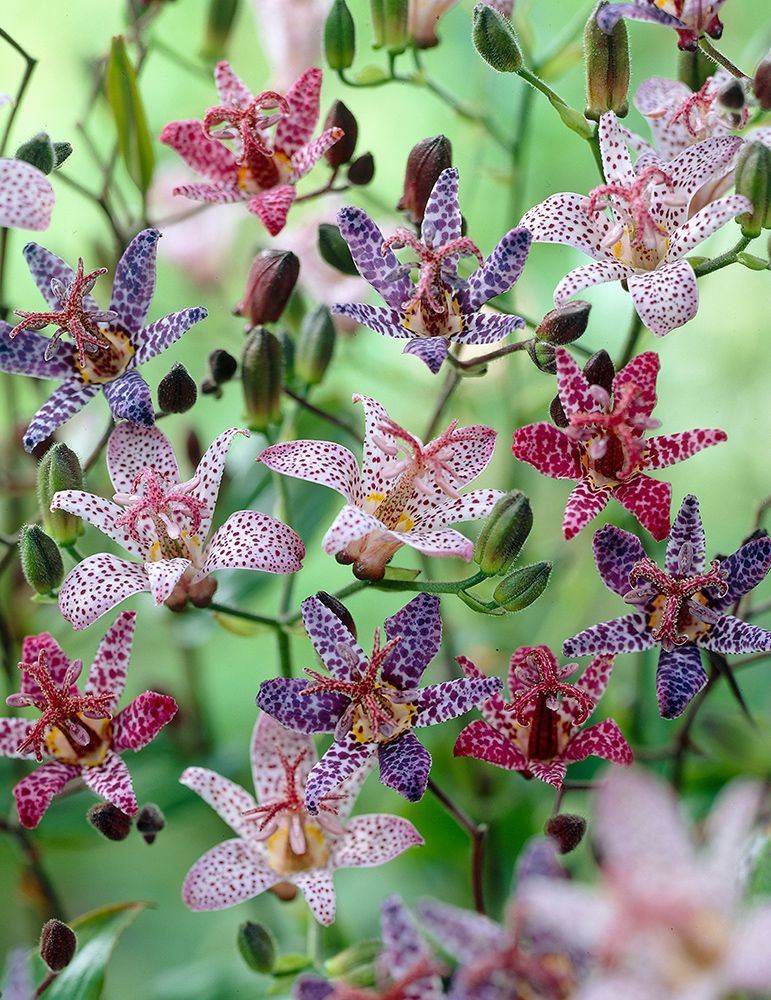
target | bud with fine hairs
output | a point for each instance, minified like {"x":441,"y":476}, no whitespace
{"x":59,"y":469}
{"x":315,"y":346}
{"x":257,"y":947}
{"x":543,"y":356}
{"x":565,"y":324}
{"x":761,"y":84}
{"x":57,"y":945}
{"x":753,"y":179}
{"x":262,"y":375}
{"x":341,"y":116}
{"x":177,"y":391}
{"x":504,"y":533}
{"x":339,"y":37}
{"x":426,"y":161}
{"x":41,"y":561}
{"x":607,"y":67}
{"x":519,"y":589}
{"x":566,"y":830}
{"x":495,"y":39}
{"x":150,"y":822}
{"x":110,"y":821}
{"x":271,"y":281}
{"x":42,"y":153}
{"x":599,"y":370}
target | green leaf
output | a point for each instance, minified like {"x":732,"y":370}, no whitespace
{"x":134,"y":140}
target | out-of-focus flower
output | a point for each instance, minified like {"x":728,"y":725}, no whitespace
{"x":276,"y":839}
{"x":26,"y":194}
{"x":645,"y":238}
{"x":103,"y":357}
{"x":538,"y":732}
{"x":165,"y":523}
{"x":442,"y":308}
{"x":667,"y":921}
{"x":406,"y":493}
{"x":423,"y":18}
{"x":372,"y":703}
{"x":604,"y":445}
{"x":690,"y":18}
{"x":291,"y":34}
{"x":17,"y":983}
{"x":683,"y":608}
{"x":260,"y":170}
{"x":80,"y":735}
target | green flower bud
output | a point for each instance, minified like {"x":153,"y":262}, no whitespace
{"x":177,"y":391}
{"x":357,"y":955}
{"x":41,"y":561}
{"x":503,"y":534}
{"x":564,"y":325}
{"x":567,"y":830}
{"x":362,"y":170}
{"x":59,"y":469}
{"x":495,"y":39}
{"x":341,"y":116}
{"x":599,"y":370}
{"x":607,"y":67}
{"x":257,"y":946}
{"x":315,"y":346}
{"x":753,"y":180}
{"x":220,"y":19}
{"x":262,"y":378}
{"x":519,"y":589}
{"x":334,"y":250}
{"x":339,"y":36}
{"x":377,"y":14}
{"x":543,"y":356}
{"x":150,"y":822}
{"x":39,"y":151}
{"x":61,"y":151}
{"x":57,"y":945}
{"x":396,"y":34}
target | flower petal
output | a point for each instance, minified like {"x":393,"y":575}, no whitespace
{"x":437,"y":703}
{"x":732,"y":635}
{"x":96,"y":585}
{"x":206,"y":156}
{"x":26,"y":196}
{"x":480,"y":740}
{"x":129,"y":398}
{"x":303,"y":96}
{"x":220,"y":193}
{"x":208,"y":474}
{"x":156,"y":337}
{"x":550,"y":771}
{"x":432,"y":351}
{"x":323,"y":462}
{"x":641,"y":372}
{"x":134,"y":283}
{"x":132,"y":448}
{"x":340,"y":761}
{"x":562,"y":218}
{"x":365,"y":241}
{"x":270,"y":740}
{"x":110,"y":667}
{"x":616,"y":161}
{"x":649,"y":501}
{"x":573,"y":387}
{"x":332,"y":641}
{"x":548,"y":450}
{"x":111,"y":781}
{"x":403,"y":946}
{"x":690,"y":169}
{"x":704,"y":223}
{"x":629,"y":634}
{"x":34,"y":793}
{"x":405,"y":765}
{"x":383,"y":320}
{"x":350,"y":525}
{"x":615,"y":553}
{"x":64,"y":402}
{"x":418,"y":625}
{"x":319,"y":892}
{"x":272,"y":207}
{"x":500,"y":271}
{"x":102,"y":513}
{"x":679,"y":677}
{"x":58,"y":661}
{"x":141,"y":720}
{"x":283,"y":700}
{"x":669,"y":449}
{"x":308,"y":156}
{"x":744,"y":569}
{"x":594,"y":681}
{"x":45,"y":265}
{"x":164,"y":575}
{"x":584,"y":504}
{"x":25,"y":355}
{"x":251,"y":540}
{"x":588,"y":275}
{"x":686,"y":528}
{"x":442,"y":221}
{"x":12,"y":733}
{"x":226,"y":875}
{"x":603,"y":740}
{"x":438,"y":543}
{"x":487,"y":328}
{"x":659,"y":94}
{"x":229,"y":800}
{"x":609,"y":16}
{"x":231,"y":88}
{"x":462,"y":933}
{"x":374,"y":839}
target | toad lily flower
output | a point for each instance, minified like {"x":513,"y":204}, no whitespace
{"x":423,"y":17}
{"x":648,"y":233}
{"x":276,"y":839}
{"x":372,"y":703}
{"x":259,"y":170}
{"x":690,"y":18}
{"x":442,"y":308}
{"x":108,"y":345}
{"x":604,"y":445}
{"x":406,"y":493}
{"x":80,"y":735}
{"x":165,"y":523}
{"x":539,"y":732}
{"x":26,"y":196}
{"x":682,"y":608}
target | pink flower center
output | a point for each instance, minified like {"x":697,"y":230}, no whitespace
{"x":701,"y":113}
{"x":402,"y":988}
{"x":163,"y":507}
{"x":249,"y":125}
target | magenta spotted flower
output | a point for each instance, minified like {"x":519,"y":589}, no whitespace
{"x":406,"y":493}
{"x":108,"y":345}
{"x":165,"y":524}
{"x":637,"y":226}
{"x":538,"y":732}
{"x":372,"y":702}
{"x":604,"y":445}
{"x":26,"y":196}
{"x":276,"y":839}
{"x":683,"y":608}
{"x":690,"y":18}
{"x":260,"y":169}
{"x":80,"y":735}
{"x":442,"y":308}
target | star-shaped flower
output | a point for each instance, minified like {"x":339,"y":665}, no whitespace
{"x":538,"y":732}
{"x":683,"y":608}
{"x":103,"y":357}
{"x":276,"y":838}
{"x":80,"y":735}
{"x":690,"y":18}
{"x":648,"y":232}
{"x":372,"y":703}
{"x":406,"y":493}
{"x":260,"y":170}
{"x":604,"y":445}
{"x":165,"y":523}
{"x":442,"y":308}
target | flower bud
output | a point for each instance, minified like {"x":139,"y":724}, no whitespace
{"x":425,"y":163}
{"x":177,"y":392}
{"x":557,"y":413}
{"x":338,"y":609}
{"x":110,"y":821}
{"x":339,"y":36}
{"x":753,"y":180}
{"x":222,"y":366}
{"x":761,"y":84}
{"x":257,"y":946}
{"x":543,"y":355}
{"x":61,"y":151}
{"x":395,"y":25}
{"x":362,"y":953}
{"x":694,"y":68}
{"x":220,"y":19}
{"x":732,"y":95}
{"x":752,"y":262}
{"x":262,"y":378}
{"x":39,"y":151}
{"x":59,"y":469}
{"x":566,"y":324}
{"x":271,"y":281}
{"x":315,"y":346}
{"x":334,"y":250}
{"x":607,"y":67}
{"x":519,"y":589}
{"x":41,"y":561}
{"x":150,"y":822}
{"x":57,"y":945}
{"x":503,"y":534}
{"x":495,"y":39}
{"x":362,"y":170}
{"x":599,"y":370}
{"x":567,"y":830}
{"x":340,"y":116}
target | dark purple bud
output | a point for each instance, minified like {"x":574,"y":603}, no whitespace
{"x":57,"y":945}
{"x":262,"y":377}
{"x":271,"y":281}
{"x":338,"y":609}
{"x":557,"y":413}
{"x":362,"y":170}
{"x":599,"y":370}
{"x":732,"y":95}
{"x":222,"y":366}
{"x":340,"y":116}
{"x":177,"y":391}
{"x":110,"y":821}
{"x":566,"y":830}
{"x":761,"y":84}
{"x":150,"y":822}
{"x":564,"y":325}
{"x":424,"y":164}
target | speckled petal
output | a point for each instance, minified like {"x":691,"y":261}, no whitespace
{"x":594,"y":681}
{"x":272,"y":207}
{"x":308,"y":155}
{"x":615,"y":553}
{"x":349,"y":525}
{"x":552,"y":772}
{"x":732,"y":635}
{"x":365,"y":241}
{"x":294,"y":130}
{"x":102,"y":514}
{"x":439,"y":543}
{"x":588,"y":275}
{"x":629,"y":634}
{"x":548,"y":450}
{"x":319,"y":892}
{"x":96,"y":585}
{"x":45,"y":265}
{"x":251,"y":540}
{"x":110,"y":667}
{"x":744,"y":570}
{"x":164,"y":575}
{"x":501,"y":269}
{"x":134,"y":284}
{"x":373,"y":458}
{"x":338,"y":763}
{"x":480,"y":740}
{"x":584,"y":504}
{"x":269,"y":740}
{"x":34,"y":793}
{"x":419,"y":628}
{"x":226,"y":875}
{"x":329,"y":637}
{"x":26,"y":196}
{"x":58,"y":661}
{"x":439,"y":702}
{"x":225,"y":797}
{"x":220,"y":193}
{"x":64,"y":402}
{"x":374,"y":839}
{"x":323,"y":462}
{"x":691,"y":169}
{"x":495,"y":710}
{"x":659,"y":94}
{"x":432,"y":351}
{"x":705,"y":222}
{"x":405,"y":765}
{"x":472,"y":506}
{"x":382,"y":319}
{"x":603,"y":740}
{"x":111,"y":781}
{"x":156,"y":337}
{"x":132,"y":448}
{"x":442,"y":221}
{"x":562,"y":218}
{"x":686,"y":527}
{"x":206,"y":156}
{"x":129,"y":398}
{"x":649,"y":501}
{"x":209,"y":474}
{"x":463,"y":933}
{"x":680,"y":676}
{"x":487,"y":328}
{"x":616,"y":161}
{"x":403,"y":946}
{"x":641,"y":372}
{"x":12,"y":733}
{"x":231,"y":88}
{"x":141,"y":720}
{"x":669,"y":449}
{"x":25,"y":355}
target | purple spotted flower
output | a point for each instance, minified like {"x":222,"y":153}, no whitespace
{"x":689,"y":18}
{"x":277,"y":841}
{"x":79,"y":735}
{"x":165,"y":523}
{"x":442,"y":308}
{"x":637,"y":226}
{"x":372,"y":703}
{"x":109,"y":345}
{"x":683,"y":608}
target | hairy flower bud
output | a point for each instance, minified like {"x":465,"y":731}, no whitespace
{"x":262,"y":378}
{"x":599,"y":370}
{"x":222,"y":366}
{"x":761,"y":84}
{"x":338,"y":609}
{"x":607,"y":67}
{"x":395,"y":25}
{"x":150,"y":822}
{"x":41,"y":561}
{"x":177,"y":391}
{"x":362,"y":170}
{"x":694,"y":68}
{"x":271,"y":281}
{"x":110,"y":821}
{"x":339,"y":36}
{"x":59,"y":469}
{"x":39,"y":151}
{"x":567,"y":830}
{"x":341,"y":116}
{"x":753,"y":180}
{"x":543,"y":356}
{"x":220,"y":18}
{"x":425,"y":163}
{"x":503,"y":534}
{"x":519,"y":589}
{"x":566,"y":324}
{"x":495,"y":39}
{"x":314,"y":347}
{"x":257,"y":946}
{"x":334,"y":250}
{"x":57,"y":945}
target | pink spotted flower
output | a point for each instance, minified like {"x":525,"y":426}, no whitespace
{"x":276,"y":839}
{"x":690,"y":18}
{"x":165,"y":524}
{"x":637,"y":226}
{"x":260,"y":169}
{"x":79,"y":735}
{"x":604,"y":445}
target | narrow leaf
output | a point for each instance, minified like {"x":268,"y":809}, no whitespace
{"x":134,"y":141}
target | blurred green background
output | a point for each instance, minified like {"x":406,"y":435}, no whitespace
{"x":714,"y":374}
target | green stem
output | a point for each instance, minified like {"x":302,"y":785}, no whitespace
{"x":717,"y":56}
{"x":73,"y":551}
{"x":451,"y":383}
{"x":52,"y":904}
{"x":324,"y":415}
{"x":28,"y":71}
{"x":432,"y":586}
{"x":502,"y":352}
{"x":5,"y":236}
{"x":248,"y":616}
{"x":729,"y":257}
{"x":477,"y":832}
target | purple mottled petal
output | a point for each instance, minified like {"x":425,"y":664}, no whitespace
{"x":256,"y":541}
{"x":403,"y":947}
{"x":319,"y":891}
{"x":483,"y":742}
{"x":419,"y":628}
{"x":12,"y":733}
{"x":432,"y":351}
{"x":308,"y":987}
{"x":603,"y":740}
{"x":154,"y":338}
{"x":500,"y":271}
{"x":440,"y":702}
{"x":629,"y":634}
{"x":686,"y":528}
{"x":340,"y":761}
{"x":129,"y":398}
{"x":141,"y":720}
{"x":610,"y":15}
{"x":744,"y":569}
{"x":680,"y":676}
{"x":665,"y":298}
{"x":34,"y":793}
{"x":64,"y":402}
{"x":374,"y":839}
{"x":134,"y":283}
{"x":282,"y":699}
{"x":732,"y":635}
{"x":96,"y":585}
{"x":323,"y":462}
{"x":615,"y":553}
{"x":382,"y":319}
{"x":25,"y":355}
{"x":442,"y":221}
{"x":487,"y":328}
{"x":338,"y":649}
{"x":365,"y":242}
{"x":405,"y":765}
{"x":111,"y":781}
{"x":228,"y":874}
{"x":462,"y":933}
{"x":44,"y":265}
{"x":110,"y":667}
